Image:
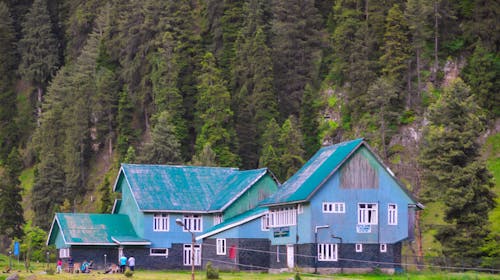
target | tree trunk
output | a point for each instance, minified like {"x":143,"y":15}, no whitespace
{"x":419,"y":85}
{"x":436,"y":40}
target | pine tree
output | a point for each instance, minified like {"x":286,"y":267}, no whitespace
{"x":11,"y":211}
{"x":106,"y":199}
{"x":164,"y":147}
{"x":271,"y":149}
{"x":295,"y":46}
{"x":38,"y":48}
{"x":292,"y":142}
{"x":215,"y":114}
{"x":482,"y":73}
{"x":309,"y":124}
{"x":206,"y":157}
{"x":126,"y":134}
{"x":396,"y":46}
{"x":455,"y":174}
{"x":8,"y":110}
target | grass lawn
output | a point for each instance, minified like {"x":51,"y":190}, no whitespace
{"x":186,"y":275}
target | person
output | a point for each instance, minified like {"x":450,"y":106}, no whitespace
{"x":131,"y":263}
{"x":70,"y":264}
{"x":123,"y":263}
{"x":59,"y":266}
{"x":84,"y":268}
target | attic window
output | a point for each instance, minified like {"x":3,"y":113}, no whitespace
{"x":333,"y":207}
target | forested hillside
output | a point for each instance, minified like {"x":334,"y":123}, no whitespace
{"x":88,"y":84}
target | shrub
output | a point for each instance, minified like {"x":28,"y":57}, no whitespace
{"x":212,"y":273}
{"x":128,"y":273}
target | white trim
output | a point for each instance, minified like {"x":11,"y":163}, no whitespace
{"x":359,"y":247}
{"x":392,"y":214}
{"x":220,"y":244}
{"x":210,"y":233}
{"x":157,"y":254}
{"x":333,"y":207}
{"x":195,"y":223}
{"x":363,"y":218}
{"x":162,"y":223}
{"x":196,"y":250}
{"x":327,"y":252}
{"x":383,"y":248}
{"x":264,"y":222}
{"x":114,"y":206}
{"x":129,"y":242}
{"x":66,"y":254}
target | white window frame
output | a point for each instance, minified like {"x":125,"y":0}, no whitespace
{"x":264,"y":223}
{"x":367,"y":213}
{"x":359,"y":247}
{"x":327,"y":252}
{"x":283,"y":216}
{"x":334,"y":207}
{"x":300,"y":208}
{"x":64,"y":253}
{"x":221,"y":246}
{"x":383,"y":247}
{"x":193,"y":223}
{"x":160,"y":222}
{"x":392,"y":214}
{"x":187,"y":254}
{"x":163,"y":252}
{"x":218,"y":219}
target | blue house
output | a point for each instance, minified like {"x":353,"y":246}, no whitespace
{"x":153,"y":197}
{"x":343,"y":210}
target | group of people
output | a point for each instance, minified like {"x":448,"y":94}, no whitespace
{"x":124,"y":261}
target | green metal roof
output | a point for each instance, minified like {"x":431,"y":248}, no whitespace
{"x":320,"y":167}
{"x":186,"y":188}
{"x":95,"y":229}
{"x":234,"y":221}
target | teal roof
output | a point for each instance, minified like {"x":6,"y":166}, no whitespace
{"x":320,"y":167}
{"x":234,"y":221}
{"x":95,"y":229}
{"x":186,"y":188}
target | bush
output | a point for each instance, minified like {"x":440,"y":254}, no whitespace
{"x":128,"y":273}
{"x":50,"y":271}
{"x":212,"y":273}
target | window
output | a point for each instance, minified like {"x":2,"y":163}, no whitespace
{"x":333,"y":207}
{"x":327,"y":252}
{"x":359,"y":248}
{"x":160,"y":222}
{"x":193,"y":222}
{"x":264,"y":222}
{"x":158,"y":252}
{"x":221,"y":246}
{"x":383,"y":248}
{"x":218,"y":219}
{"x":392,"y":214}
{"x":367,"y":213}
{"x":64,"y":253}
{"x":282,"y":217}
{"x":188,"y":251}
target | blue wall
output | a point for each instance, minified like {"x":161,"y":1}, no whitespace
{"x":251,"y":229}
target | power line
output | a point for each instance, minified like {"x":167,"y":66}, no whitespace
{"x":354,"y":260}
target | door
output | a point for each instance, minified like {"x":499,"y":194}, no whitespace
{"x":290,"y":256}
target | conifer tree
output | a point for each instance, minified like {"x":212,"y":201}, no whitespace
{"x":292,"y":142}
{"x":396,"y":46}
{"x":164,"y":147}
{"x":215,"y":114}
{"x":270,"y":155}
{"x":38,"y":48}
{"x":11,"y":211}
{"x":482,"y":73}
{"x":309,"y":124}
{"x":126,"y":134}
{"x":455,"y":174}
{"x":295,"y":46}
{"x":206,"y":157}
{"x":106,"y":200}
{"x":7,"y":75}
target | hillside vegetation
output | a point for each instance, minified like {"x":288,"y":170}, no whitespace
{"x":87,"y":85}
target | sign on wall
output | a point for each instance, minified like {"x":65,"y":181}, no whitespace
{"x":281,"y":231}
{"x":363,"y":228}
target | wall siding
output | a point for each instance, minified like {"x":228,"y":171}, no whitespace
{"x":252,"y":254}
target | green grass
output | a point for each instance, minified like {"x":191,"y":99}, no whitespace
{"x":186,"y":275}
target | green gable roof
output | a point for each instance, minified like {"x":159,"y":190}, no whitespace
{"x":94,"y":229}
{"x":186,"y":188}
{"x":320,"y":167}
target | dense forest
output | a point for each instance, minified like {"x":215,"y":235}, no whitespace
{"x":87,"y":85}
